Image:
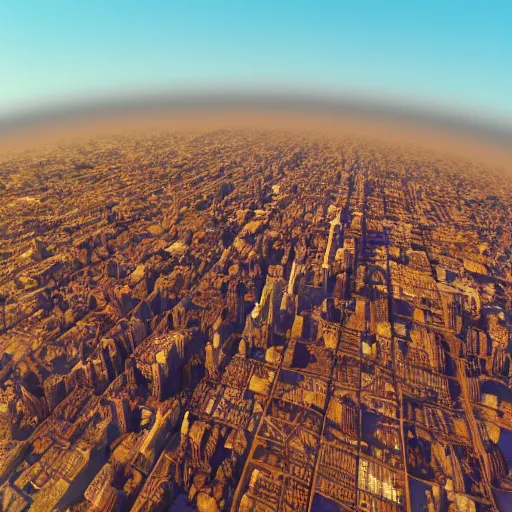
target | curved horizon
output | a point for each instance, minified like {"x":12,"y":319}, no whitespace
{"x":280,"y":101}
{"x":437,"y":59}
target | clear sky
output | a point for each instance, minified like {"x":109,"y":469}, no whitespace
{"x":455,"y":55}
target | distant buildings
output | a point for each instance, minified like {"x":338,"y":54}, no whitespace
{"x":266,"y":324}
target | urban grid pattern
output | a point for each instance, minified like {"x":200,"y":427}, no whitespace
{"x":253,"y":321}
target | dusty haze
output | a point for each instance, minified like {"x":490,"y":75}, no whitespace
{"x":440,"y":138}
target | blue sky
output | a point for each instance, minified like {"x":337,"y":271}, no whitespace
{"x":449,"y":54}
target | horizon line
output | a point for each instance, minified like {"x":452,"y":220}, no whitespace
{"x":328,"y":103}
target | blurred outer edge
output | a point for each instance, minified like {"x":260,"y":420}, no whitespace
{"x":329,"y":104}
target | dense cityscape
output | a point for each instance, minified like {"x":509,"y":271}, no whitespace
{"x":239,"y":320}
